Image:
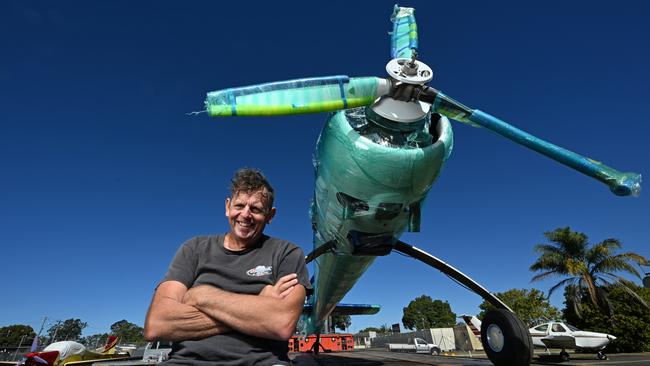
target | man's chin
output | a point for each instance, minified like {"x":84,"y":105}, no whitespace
{"x":244,"y":235}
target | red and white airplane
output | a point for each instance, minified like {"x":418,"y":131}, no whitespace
{"x":69,"y":353}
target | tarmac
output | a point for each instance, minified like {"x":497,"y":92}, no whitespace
{"x":383,"y":357}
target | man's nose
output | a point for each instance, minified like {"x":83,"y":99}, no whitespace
{"x":246,"y":212}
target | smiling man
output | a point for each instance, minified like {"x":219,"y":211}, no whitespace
{"x":232,"y":299}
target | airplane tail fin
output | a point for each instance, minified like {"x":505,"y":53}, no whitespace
{"x":111,"y":342}
{"x":473,"y":323}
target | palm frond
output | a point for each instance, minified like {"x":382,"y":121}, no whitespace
{"x":619,"y":262}
{"x":625,"y":285}
{"x":547,"y":248}
{"x":543,"y":275}
{"x":562,"y":283}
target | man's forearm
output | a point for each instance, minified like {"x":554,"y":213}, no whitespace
{"x":255,"y":315}
{"x":169,"y":319}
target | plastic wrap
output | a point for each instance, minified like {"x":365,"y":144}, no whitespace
{"x":367,"y":194}
{"x":298,"y":96}
{"x":66,"y":349}
{"x":404,"y":37}
{"x":620,"y":183}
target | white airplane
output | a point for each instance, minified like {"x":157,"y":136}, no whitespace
{"x":557,"y":334}
{"x":561,"y":335}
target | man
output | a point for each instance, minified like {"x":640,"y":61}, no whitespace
{"x":232,"y":299}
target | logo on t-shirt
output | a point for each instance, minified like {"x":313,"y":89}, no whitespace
{"x":259,"y":271}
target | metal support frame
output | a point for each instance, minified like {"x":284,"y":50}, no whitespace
{"x":452,"y":272}
{"x":319,"y":251}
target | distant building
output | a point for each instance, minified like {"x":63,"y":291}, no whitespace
{"x":362,"y":340}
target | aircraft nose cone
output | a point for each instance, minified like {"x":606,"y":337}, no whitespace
{"x":611,"y":337}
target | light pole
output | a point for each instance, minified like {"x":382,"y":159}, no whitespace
{"x":19,"y":345}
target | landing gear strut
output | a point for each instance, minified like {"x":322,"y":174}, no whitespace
{"x":505,"y":338}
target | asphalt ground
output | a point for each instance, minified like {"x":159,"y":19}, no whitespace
{"x":381,"y":357}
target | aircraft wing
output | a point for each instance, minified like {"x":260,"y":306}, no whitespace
{"x":349,"y":309}
{"x":559,"y":341}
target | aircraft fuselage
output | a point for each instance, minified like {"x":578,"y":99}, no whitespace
{"x":371,"y":181}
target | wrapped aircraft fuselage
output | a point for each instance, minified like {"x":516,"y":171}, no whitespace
{"x":372,"y":176}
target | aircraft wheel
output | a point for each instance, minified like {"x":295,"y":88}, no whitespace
{"x":505,"y":339}
{"x":564,"y":355}
{"x":435,"y":351}
{"x":601,"y":356}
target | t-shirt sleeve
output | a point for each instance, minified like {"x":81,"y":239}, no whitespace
{"x":183,"y":266}
{"x":294,"y":262}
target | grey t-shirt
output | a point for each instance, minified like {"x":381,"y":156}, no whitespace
{"x":204,"y":260}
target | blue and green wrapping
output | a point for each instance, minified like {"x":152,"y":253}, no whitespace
{"x":404,"y":37}
{"x":366,"y":186}
{"x":300,"y":96}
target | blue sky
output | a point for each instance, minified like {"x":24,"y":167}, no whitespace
{"x":104,"y":175}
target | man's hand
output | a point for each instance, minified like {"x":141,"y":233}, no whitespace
{"x":194,"y":295}
{"x":282,"y":288}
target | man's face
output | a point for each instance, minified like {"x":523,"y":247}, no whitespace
{"x":247,"y":215}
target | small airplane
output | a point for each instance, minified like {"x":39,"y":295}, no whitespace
{"x":69,"y":353}
{"x":376,"y":159}
{"x":557,"y":334}
{"x":564,"y":336}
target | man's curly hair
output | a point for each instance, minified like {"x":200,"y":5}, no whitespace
{"x":249,"y":180}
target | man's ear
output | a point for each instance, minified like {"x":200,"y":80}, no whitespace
{"x":227,"y":206}
{"x":270,"y":215}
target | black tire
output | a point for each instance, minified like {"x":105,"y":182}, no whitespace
{"x":511,"y":342}
{"x":565,"y":356}
{"x":601,"y":356}
{"x":435,"y":351}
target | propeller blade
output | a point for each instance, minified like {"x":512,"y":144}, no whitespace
{"x":404,"y":38}
{"x":620,"y":183}
{"x":39,"y":360}
{"x":300,"y":96}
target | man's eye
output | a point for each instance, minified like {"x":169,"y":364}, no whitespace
{"x":239,"y":207}
{"x":256,"y":210}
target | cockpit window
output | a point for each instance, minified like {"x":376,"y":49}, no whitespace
{"x":557,"y":327}
{"x":572,"y":328}
{"x":542,"y":328}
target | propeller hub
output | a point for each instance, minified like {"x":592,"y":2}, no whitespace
{"x":410,"y":71}
{"x":399,"y":111}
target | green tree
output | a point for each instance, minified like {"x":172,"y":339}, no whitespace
{"x":531,"y":306}
{"x":584,"y":266}
{"x":630,"y":321}
{"x":94,"y":340}
{"x":370,"y":329}
{"x":127,"y":332}
{"x":11,"y":335}
{"x":383,"y":329}
{"x":69,"y":329}
{"x":342,"y":322}
{"x":424,"y":313}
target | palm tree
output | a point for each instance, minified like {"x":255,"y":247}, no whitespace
{"x":587,"y":268}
